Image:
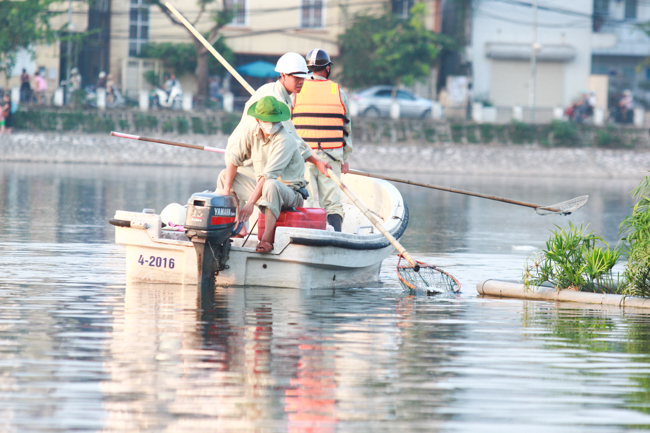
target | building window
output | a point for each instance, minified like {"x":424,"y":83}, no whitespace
{"x":630,"y":9}
{"x":601,"y":12}
{"x":311,"y":13}
{"x":239,"y":9}
{"x":402,"y":8}
{"x":138,"y":26}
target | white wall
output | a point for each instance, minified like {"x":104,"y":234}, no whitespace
{"x":23,"y":61}
{"x":496,"y":21}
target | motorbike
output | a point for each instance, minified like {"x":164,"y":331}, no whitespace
{"x":114,"y":100}
{"x":159,"y":98}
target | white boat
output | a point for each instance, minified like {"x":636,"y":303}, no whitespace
{"x":301,"y":257}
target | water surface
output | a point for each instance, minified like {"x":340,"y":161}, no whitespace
{"x":80,"y":350}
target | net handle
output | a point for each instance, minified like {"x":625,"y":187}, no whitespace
{"x":551,"y":209}
{"x":373,"y":219}
{"x":210,"y":48}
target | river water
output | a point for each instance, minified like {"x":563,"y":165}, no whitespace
{"x":80,"y":350}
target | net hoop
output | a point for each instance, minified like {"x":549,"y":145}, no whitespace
{"x":423,"y":266}
{"x":564,"y":208}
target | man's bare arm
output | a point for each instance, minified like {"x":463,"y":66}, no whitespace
{"x":320,"y":164}
{"x":231,"y":172}
{"x":247,"y":211}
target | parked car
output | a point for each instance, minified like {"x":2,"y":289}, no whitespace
{"x":375,"y":102}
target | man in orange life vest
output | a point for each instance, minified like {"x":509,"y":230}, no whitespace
{"x":321,"y":117}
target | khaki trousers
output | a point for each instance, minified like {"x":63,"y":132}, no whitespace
{"x":275,"y":194}
{"x":321,"y":186}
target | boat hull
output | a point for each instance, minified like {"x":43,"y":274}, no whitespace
{"x":301,"y":258}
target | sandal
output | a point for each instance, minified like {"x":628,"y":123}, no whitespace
{"x":264,"y":247}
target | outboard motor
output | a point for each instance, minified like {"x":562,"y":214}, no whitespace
{"x":209,"y":224}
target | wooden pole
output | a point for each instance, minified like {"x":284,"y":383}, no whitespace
{"x":444,"y":188}
{"x":210,"y":48}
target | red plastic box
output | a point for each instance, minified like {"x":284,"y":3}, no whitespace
{"x":309,"y":218}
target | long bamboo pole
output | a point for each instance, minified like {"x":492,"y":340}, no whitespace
{"x":171,"y":143}
{"x":444,"y":188}
{"x":210,"y":48}
{"x":379,"y":176}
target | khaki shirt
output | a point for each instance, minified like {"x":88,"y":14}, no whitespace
{"x":278,"y":91}
{"x":342,"y":153}
{"x":277,"y":157}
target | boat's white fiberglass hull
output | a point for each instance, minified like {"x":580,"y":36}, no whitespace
{"x":301,"y":258}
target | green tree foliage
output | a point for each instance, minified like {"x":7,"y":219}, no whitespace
{"x":181,"y":57}
{"x":635,"y":231}
{"x":219,"y":17}
{"x":177,"y":58}
{"x":387,"y":49}
{"x":22,"y":24}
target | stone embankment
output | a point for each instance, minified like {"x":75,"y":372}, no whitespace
{"x":404,"y":157}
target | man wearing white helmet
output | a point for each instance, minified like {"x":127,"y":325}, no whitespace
{"x":322,"y":117}
{"x":293,"y":71}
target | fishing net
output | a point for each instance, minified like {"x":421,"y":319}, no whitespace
{"x":564,"y":208}
{"x":427,"y":277}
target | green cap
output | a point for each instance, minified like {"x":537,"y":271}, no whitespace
{"x":269,"y":109}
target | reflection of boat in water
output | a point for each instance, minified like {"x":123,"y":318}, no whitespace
{"x":301,"y":258}
{"x":264,"y":359}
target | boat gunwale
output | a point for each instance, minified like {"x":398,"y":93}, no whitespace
{"x":352,"y":245}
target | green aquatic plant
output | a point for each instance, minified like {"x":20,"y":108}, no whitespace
{"x":635,"y":234}
{"x":572,"y":260}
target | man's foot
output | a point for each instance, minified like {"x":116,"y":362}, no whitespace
{"x":242,"y":233}
{"x":264,"y":247}
{"x":336,"y":221}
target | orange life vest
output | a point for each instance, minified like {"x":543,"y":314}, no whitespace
{"x":319,"y":114}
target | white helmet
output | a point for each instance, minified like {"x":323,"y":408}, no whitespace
{"x":293,"y":64}
{"x":173,"y":213}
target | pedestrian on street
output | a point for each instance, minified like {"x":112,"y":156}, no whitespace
{"x":41,"y":88}
{"x":25,"y":87}
{"x":626,"y":107}
{"x":101,"y":81}
{"x":7,"y":115}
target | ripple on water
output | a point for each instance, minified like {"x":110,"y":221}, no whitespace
{"x":83,"y":350}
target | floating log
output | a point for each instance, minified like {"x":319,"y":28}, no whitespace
{"x":508,"y":289}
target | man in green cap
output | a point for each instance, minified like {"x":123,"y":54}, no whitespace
{"x":293,"y":70}
{"x":278,"y":167}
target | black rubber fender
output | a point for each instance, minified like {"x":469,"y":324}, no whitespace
{"x":342,"y":243}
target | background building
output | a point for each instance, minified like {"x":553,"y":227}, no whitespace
{"x":580,"y":45}
{"x":501,"y":47}
{"x":111,"y":33}
{"x":620,"y":46}
{"x":260,"y":30}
